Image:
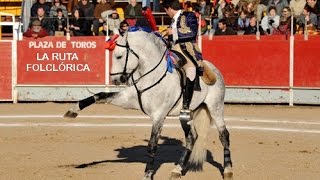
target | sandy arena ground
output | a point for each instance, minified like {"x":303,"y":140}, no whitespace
{"x":267,"y":142}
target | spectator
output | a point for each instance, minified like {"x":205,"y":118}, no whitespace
{"x":104,"y":5}
{"x":45,"y":20}
{"x":262,"y":7}
{"x":60,"y":23}
{"x":243,"y":21}
{"x":307,"y":19}
{"x":279,"y":4}
{"x":36,"y":31}
{"x":271,"y":21}
{"x":252,"y":28}
{"x":204,"y":9}
{"x":79,"y":26}
{"x":314,"y":6}
{"x":297,"y":6}
{"x":285,"y":23}
{"x":124,"y":26}
{"x":55,"y":5}
{"x":113,"y":23}
{"x":71,"y":5}
{"x":133,"y":12}
{"x":88,"y":9}
{"x":40,"y":3}
{"x":146,"y":3}
{"x":229,"y":16}
{"x":223,"y":29}
{"x":156,"y":5}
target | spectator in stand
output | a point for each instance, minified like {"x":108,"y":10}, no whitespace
{"x":314,"y":6}
{"x":243,"y":21}
{"x":59,"y":23}
{"x":279,"y":4}
{"x":104,"y":5}
{"x":124,"y":26}
{"x":88,"y":9}
{"x":307,"y":19}
{"x":252,"y":28}
{"x":79,"y":25}
{"x":45,"y":20}
{"x":297,"y":6}
{"x":56,"y":4}
{"x":204,"y":9}
{"x":229,"y":16}
{"x":113,"y":23}
{"x":146,"y":3}
{"x":284,"y":27}
{"x":40,"y":3}
{"x":250,"y":6}
{"x":36,"y":31}
{"x":223,"y":29}
{"x":133,"y":12}
{"x":271,"y":21}
{"x":261,"y":8}
{"x":71,"y":5}
{"x":156,"y":6}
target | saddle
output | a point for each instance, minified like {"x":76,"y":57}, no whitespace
{"x":207,"y":76}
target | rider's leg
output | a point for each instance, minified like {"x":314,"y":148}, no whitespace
{"x":188,"y":88}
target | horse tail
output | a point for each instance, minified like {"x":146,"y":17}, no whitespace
{"x":200,"y":127}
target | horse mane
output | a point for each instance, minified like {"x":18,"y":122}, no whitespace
{"x":154,"y":38}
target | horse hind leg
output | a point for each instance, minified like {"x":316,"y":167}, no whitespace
{"x":195,"y":133}
{"x":217,"y":115}
{"x":181,"y":165}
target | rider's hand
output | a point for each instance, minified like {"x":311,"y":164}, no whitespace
{"x":169,"y":31}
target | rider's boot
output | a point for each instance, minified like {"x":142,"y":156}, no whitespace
{"x":185,"y":112}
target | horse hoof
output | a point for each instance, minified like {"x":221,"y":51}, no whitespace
{"x":148,"y":176}
{"x":70,"y":114}
{"x":228,"y":176}
{"x":175,"y":175}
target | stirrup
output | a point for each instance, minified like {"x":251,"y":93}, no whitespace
{"x":186,"y":115}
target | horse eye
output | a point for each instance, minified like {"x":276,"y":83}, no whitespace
{"x":119,"y":57}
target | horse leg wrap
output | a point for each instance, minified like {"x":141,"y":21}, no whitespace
{"x":184,"y":158}
{"x":152,"y":149}
{"x":86,"y":102}
{"x":224,"y":138}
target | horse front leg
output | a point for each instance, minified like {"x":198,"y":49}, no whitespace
{"x":152,"y":149}
{"x":73,"y":112}
{"x":125,"y":99}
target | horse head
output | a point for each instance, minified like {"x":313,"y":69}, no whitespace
{"x":124,"y":60}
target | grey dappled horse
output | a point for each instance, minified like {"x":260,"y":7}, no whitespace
{"x":139,"y":59}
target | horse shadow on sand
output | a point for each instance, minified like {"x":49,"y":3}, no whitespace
{"x":168,"y":152}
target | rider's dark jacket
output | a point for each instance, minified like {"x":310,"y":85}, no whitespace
{"x":187,"y":29}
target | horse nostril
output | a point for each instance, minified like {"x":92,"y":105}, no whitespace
{"x":115,"y":82}
{"x":123,"y":78}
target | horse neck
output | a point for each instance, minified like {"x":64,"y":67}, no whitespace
{"x":150,"y":60}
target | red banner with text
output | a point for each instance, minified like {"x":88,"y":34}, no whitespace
{"x":57,"y":61}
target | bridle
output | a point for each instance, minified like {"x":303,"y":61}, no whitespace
{"x":125,"y":76}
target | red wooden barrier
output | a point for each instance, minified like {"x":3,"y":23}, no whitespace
{"x":307,"y":62}
{"x":244,"y":61}
{"x":5,"y":71}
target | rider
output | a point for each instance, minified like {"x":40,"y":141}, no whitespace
{"x":182,"y":34}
